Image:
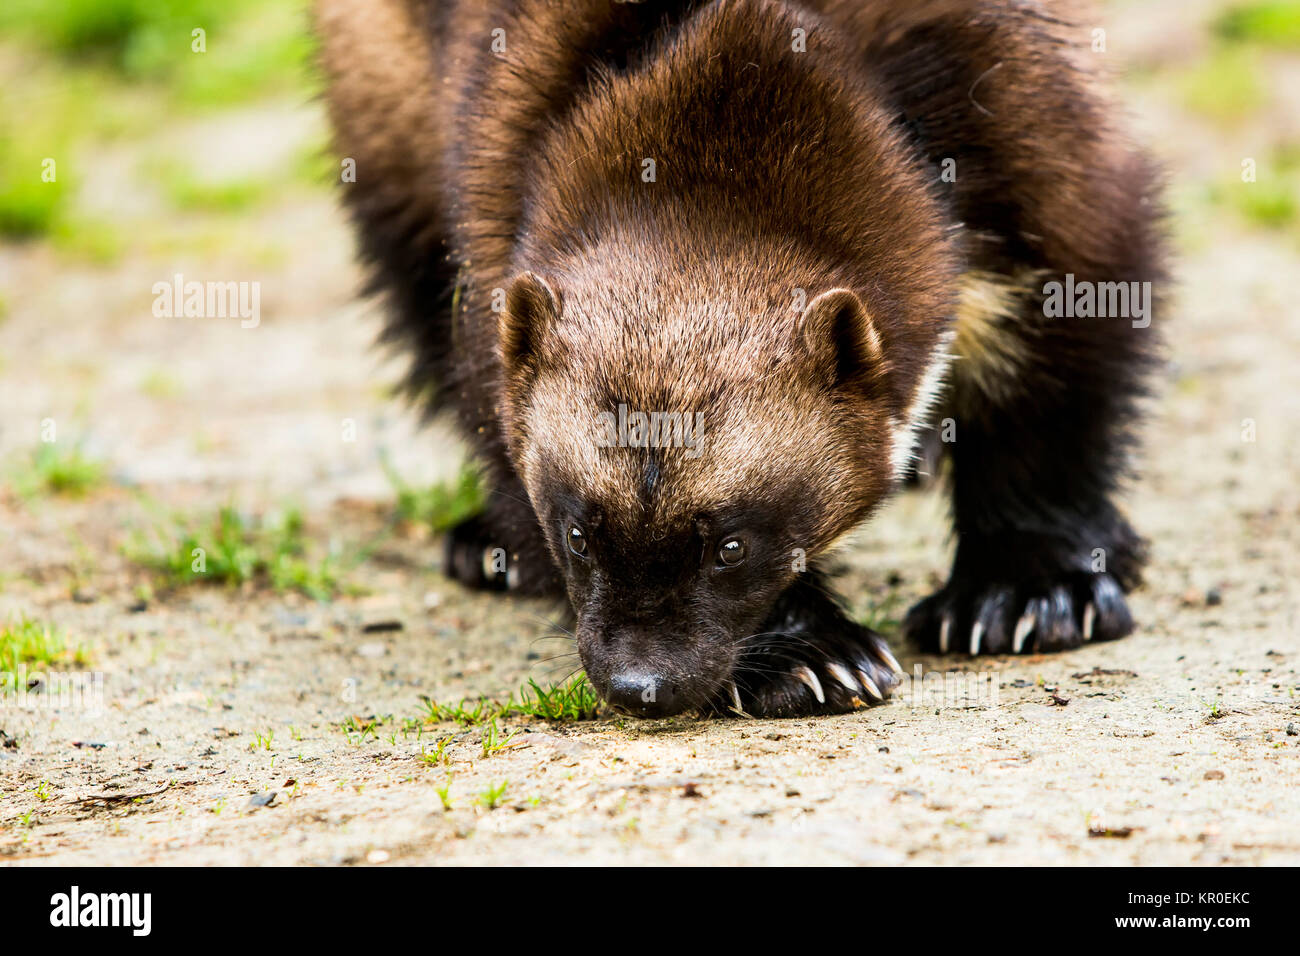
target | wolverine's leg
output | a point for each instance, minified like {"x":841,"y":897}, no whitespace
{"x":1041,"y":415}
{"x":1006,"y":102}
{"x":502,"y":547}
{"x":388,"y":109}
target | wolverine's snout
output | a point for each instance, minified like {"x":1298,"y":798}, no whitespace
{"x":645,"y":694}
{"x":648,"y":670}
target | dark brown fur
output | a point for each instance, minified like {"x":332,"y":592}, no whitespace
{"x":781,"y":176}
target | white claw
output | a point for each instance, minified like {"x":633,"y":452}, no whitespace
{"x":889,"y":659}
{"x":1023,"y":627}
{"x":976,"y":635}
{"x":806,"y":675}
{"x":944,"y":627}
{"x":870,"y":686}
{"x":841,"y":674}
{"x":735,"y":697}
{"x":1089,"y":619}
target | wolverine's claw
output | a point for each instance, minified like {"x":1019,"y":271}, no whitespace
{"x":841,"y":674}
{"x":1023,"y":629}
{"x":1001,"y":618}
{"x":815,"y":660}
{"x":805,"y":674}
{"x":892,"y":662}
{"x":870,"y":686}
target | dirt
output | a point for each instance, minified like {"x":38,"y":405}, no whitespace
{"x":219,"y":738}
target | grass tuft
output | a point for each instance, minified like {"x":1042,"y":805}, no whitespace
{"x":441,"y":506}
{"x":1225,"y":87}
{"x":570,"y":701}
{"x":1269,"y":22}
{"x":232,"y":550}
{"x":24,"y":641}
{"x":59,"y":470}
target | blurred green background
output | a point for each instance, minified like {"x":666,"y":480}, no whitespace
{"x":77,"y":76}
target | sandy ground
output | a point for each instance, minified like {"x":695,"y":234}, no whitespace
{"x":1175,"y":746}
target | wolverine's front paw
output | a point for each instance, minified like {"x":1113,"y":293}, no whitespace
{"x":978,"y":616}
{"x":472,"y":557}
{"x":799,"y":672}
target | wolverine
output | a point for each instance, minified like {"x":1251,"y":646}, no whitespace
{"x":808,"y":241}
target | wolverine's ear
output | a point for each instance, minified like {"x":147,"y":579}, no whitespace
{"x":841,"y":339}
{"x":531,"y":305}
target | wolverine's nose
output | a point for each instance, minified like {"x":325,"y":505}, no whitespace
{"x":643,"y":695}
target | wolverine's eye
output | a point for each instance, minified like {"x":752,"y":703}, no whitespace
{"x":731,"y":553}
{"x":577,"y":541}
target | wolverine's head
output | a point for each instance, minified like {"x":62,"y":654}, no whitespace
{"x":689,"y":447}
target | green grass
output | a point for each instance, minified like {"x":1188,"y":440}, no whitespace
{"x":58,"y":470}
{"x":466,"y":715}
{"x":493,"y":740}
{"x":444,"y":793}
{"x":251,"y":47}
{"x":87,"y":240}
{"x":441,"y":506}
{"x":161,"y":384}
{"x":357,"y":729}
{"x":76,"y":75}
{"x":25,"y":641}
{"x":492,"y":796}
{"x":1272,"y":201}
{"x":438,"y":756}
{"x":1271,"y":205}
{"x":122,"y":31}
{"x":315,"y":164}
{"x":46,"y":114}
{"x":1270,"y":23}
{"x":230,"y":196}
{"x":232,"y":549}
{"x":570,"y":701}
{"x":191,"y":193}
{"x":885,"y":613}
{"x":266,"y":50}
{"x":1225,"y":87}
{"x":29,"y":206}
